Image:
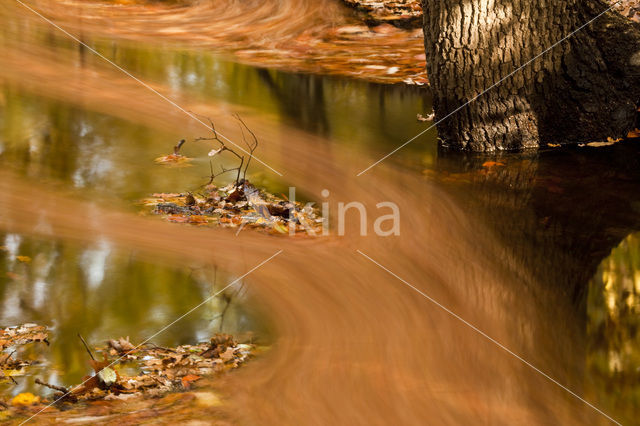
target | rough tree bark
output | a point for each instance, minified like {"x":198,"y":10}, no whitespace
{"x":586,"y":88}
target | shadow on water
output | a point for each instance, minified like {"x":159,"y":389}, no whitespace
{"x":570,"y":218}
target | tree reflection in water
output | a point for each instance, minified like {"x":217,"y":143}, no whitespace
{"x":104,"y":293}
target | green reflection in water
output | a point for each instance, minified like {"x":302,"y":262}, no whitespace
{"x":613,"y":357}
{"x":105,"y":293}
{"x":51,"y":140}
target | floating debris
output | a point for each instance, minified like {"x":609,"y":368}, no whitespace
{"x":238,"y":206}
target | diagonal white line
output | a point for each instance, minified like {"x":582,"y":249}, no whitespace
{"x":488,"y":89}
{"x":482,"y":333}
{"x":144,"y":84}
{"x":164,"y":328}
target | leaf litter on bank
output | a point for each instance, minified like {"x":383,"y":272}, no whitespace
{"x":11,"y":340}
{"x":161,"y":369}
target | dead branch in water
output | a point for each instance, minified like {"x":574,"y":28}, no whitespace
{"x":86,"y":346}
{"x":241,"y":169}
{"x":250,"y":145}
{"x":54,"y":387}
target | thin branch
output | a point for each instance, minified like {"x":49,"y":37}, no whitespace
{"x":86,"y":346}
{"x":252,"y":146}
{"x":7,"y":358}
{"x":54,"y":387}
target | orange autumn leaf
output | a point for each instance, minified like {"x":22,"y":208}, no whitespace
{"x":489,"y":164}
{"x":24,"y":259}
{"x":178,"y":218}
{"x":635,"y":133}
{"x":197,"y":219}
{"x":173,"y":160}
{"x":188,"y":379}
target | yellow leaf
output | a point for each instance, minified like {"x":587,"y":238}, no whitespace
{"x":25,"y":399}
{"x":599,"y":144}
{"x":24,"y":259}
{"x":279,"y":228}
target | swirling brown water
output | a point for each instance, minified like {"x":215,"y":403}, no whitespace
{"x":302,"y":35}
{"x":353,"y":344}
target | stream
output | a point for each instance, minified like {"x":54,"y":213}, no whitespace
{"x":539,"y":250}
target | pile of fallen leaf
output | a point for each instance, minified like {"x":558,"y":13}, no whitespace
{"x":158,"y":370}
{"x":238,"y":206}
{"x":11,"y":338}
{"x":628,"y":8}
{"x":162,"y":369}
{"x":401,"y":13}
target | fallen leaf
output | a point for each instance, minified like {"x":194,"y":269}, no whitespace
{"x":489,"y":164}
{"x":280,"y":228}
{"x":25,"y":399}
{"x":429,"y":117}
{"x":635,"y":133}
{"x":121,"y":344}
{"x":178,"y":218}
{"x":188,"y":379}
{"x":24,"y":259}
{"x":600,"y":144}
{"x":197,"y":219}
{"x":107,"y":376}
{"x":554,"y":145}
{"x":173,"y":160}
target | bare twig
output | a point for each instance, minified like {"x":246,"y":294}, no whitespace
{"x":86,"y":346}
{"x":54,"y":387}
{"x":228,"y":300}
{"x":251,"y":145}
{"x":7,"y":358}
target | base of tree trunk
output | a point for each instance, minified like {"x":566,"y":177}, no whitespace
{"x":584,"y":89}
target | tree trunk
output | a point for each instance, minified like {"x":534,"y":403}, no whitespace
{"x":584,"y":89}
